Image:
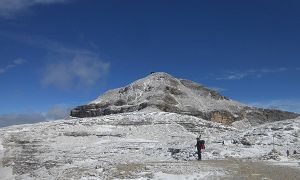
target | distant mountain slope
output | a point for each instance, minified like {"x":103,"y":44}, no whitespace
{"x":163,"y":92}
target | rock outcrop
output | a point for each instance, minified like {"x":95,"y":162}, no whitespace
{"x":163,"y":92}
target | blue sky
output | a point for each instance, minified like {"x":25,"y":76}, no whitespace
{"x":56,"y":54}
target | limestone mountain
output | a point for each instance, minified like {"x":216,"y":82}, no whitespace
{"x":162,"y":92}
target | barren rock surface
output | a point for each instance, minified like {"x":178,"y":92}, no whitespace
{"x":100,"y":147}
{"x":163,"y":92}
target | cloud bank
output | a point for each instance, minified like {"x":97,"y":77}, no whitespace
{"x":10,"y":8}
{"x":257,"y":73}
{"x":53,"y":113}
{"x":292,"y":105}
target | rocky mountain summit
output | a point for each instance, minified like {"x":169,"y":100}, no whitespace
{"x":162,"y":92}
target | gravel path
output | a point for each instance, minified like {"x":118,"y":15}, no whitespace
{"x":236,"y":169}
{"x":243,"y":169}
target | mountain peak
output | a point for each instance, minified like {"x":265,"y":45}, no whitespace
{"x":160,"y":91}
{"x":160,"y":86}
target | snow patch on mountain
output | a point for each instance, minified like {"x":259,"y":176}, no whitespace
{"x":163,"y":92}
{"x":185,"y":94}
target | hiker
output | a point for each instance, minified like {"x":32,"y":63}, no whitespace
{"x":287,"y":153}
{"x":295,"y":152}
{"x":198,"y":148}
{"x":223,"y":143}
{"x":200,"y":145}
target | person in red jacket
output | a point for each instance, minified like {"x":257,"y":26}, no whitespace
{"x":200,"y":145}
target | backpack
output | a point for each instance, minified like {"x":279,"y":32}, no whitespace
{"x":202,"y":144}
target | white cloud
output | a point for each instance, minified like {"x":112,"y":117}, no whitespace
{"x":19,"y":61}
{"x":292,"y":105}
{"x":79,"y":70}
{"x":57,"y":112}
{"x":232,"y":76}
{"x":13,"y":119}
{"x":219,"y":89}
{"x":69,"y":67}
{"x":53,"y":113}
{"x":9,"y":8}
{"x":257,"y":73}
{"x":13,"y":64}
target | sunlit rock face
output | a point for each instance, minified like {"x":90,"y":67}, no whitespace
{"x":163,"y":92}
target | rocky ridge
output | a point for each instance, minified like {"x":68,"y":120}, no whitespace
{"x":163,"y":92}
